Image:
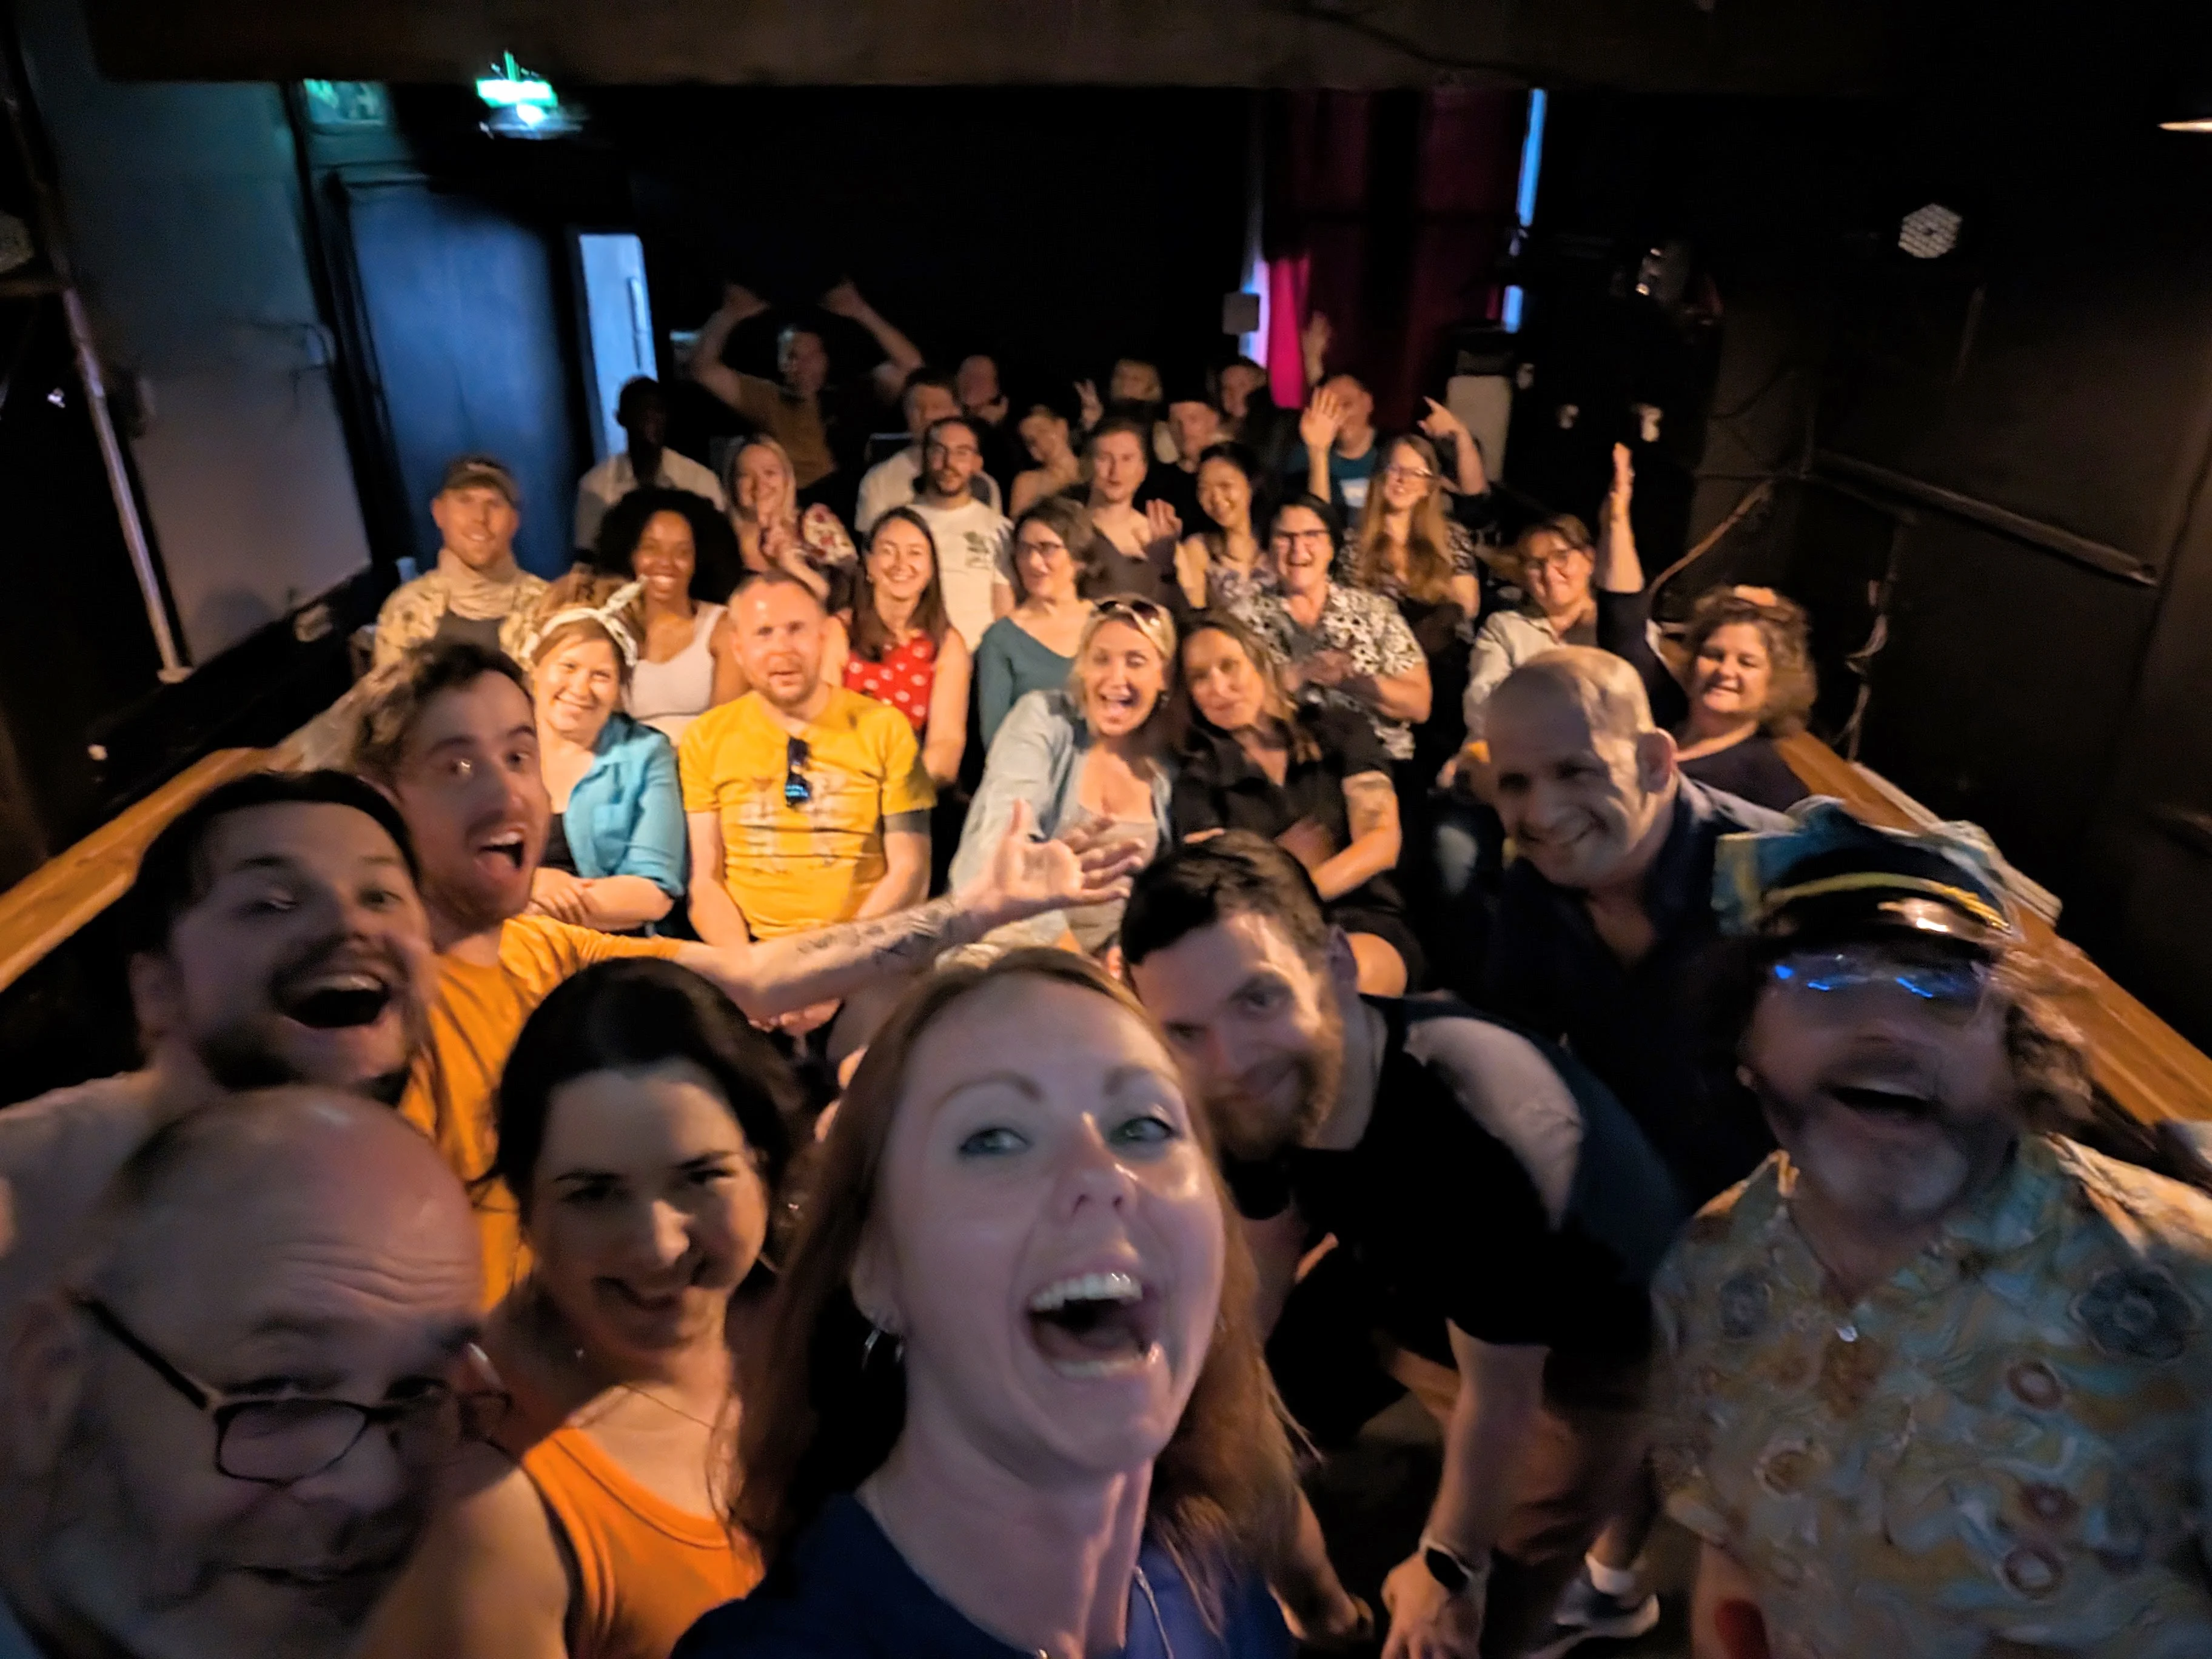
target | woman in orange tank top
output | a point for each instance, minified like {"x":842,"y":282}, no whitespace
{"x":642,"y":1124}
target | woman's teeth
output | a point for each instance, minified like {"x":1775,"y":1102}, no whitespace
{"x":1087,"y":1287}
{"x":1094,"y":1325}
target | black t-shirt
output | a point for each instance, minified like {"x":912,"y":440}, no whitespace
{"x":1219,"y":787}
{"x":1498,"y":1186}
{"x":1752,"y":770}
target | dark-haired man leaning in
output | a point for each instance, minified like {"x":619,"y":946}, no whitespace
{"x":1502,"y":1211}
{"x":222,"y":1427}
{"x":1938,"y":1378}
{"x":274,"y":936}
{"x":451,"y":737}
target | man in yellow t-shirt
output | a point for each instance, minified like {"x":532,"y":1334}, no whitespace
{"x":451,"y":739}
{"x":808,"y":804}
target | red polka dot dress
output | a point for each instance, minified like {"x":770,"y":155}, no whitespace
{"x":903,"y":678}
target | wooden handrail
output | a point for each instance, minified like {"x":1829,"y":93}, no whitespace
{"x":69,"y":889}
{"x":2145,"y":1067}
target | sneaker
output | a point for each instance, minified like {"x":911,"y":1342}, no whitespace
{"x":1586,"y":1613}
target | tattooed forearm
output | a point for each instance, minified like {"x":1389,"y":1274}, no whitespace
{"x":772,"y":976}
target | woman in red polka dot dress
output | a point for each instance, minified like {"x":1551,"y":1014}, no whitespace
{"x":905,"y":651}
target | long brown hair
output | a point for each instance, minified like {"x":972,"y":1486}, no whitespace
{"x":823,"y":1408}
{"x":871,"y":637}
{"x":1428,"y":545}
{"x":1304,"y":747}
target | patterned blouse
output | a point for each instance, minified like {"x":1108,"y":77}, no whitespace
{"x":904,"y":678}
{"x":1365,"y":627}
{"x":1994,"y":1452}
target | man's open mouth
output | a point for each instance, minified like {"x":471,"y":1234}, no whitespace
{"x":1094,"y":1325}
{"x":506,"y":846}
{"x":337,"y":1000}
{"x":1895,"y":1103}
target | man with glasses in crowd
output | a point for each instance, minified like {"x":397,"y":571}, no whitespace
{"x":1938,"y":1375}
{"x":222,"y":1431}
{"x":895,"y":480}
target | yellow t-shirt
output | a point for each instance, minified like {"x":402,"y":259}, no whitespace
{"x":476,"y":1014}
{"x":791,"y":868}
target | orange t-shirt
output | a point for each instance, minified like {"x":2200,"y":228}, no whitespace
{"x":476,"y":1014}
{"x":645,"y":1568}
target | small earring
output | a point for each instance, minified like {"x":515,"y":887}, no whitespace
{"x":876,"y":1334}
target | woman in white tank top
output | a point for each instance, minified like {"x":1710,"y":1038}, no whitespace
{"x":686,"y":665}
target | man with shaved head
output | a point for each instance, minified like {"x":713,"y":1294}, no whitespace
{"x":273,"y":935}
{"x":222,"y":1427}
{"x":1604,"y":921}
{"x":1609,"y":903}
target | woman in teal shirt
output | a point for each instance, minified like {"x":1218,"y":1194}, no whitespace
{"x":1034,"y":648}
{"x":615,"y":851}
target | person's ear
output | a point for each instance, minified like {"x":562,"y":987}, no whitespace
{"x":1655,"y":761}
{"x":42,"y":1371}
{"x":157,"y":995}
{"x":1343,"y":966}
{"x":874,"y":1285}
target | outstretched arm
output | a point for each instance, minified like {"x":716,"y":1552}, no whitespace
{"x":1025,"y":877}
{"x":900,"y":359}
{"x":706,"y":367}
{"x":1618,"y":570}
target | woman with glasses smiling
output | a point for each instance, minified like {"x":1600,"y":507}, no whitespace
{"x":1033,"y":647}
{"x":1097,"y":751}
{"x":642,"y":1125}
{"x":1337,"y":647}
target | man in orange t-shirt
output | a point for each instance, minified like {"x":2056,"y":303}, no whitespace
{"x":451,"y":739}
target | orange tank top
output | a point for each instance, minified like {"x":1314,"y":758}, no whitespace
{"x":645,"y":1568}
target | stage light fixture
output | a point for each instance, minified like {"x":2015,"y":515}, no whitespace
{"x":1931,"y":232}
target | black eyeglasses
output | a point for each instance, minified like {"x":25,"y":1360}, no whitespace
{"x":280,"y":1442}
{"x":797,"y":792}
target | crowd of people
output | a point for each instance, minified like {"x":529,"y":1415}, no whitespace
{"x":892,"y":1069}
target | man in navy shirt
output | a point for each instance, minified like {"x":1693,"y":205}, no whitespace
{"x":1502,"y":1213}
{"x":1605,"y":915}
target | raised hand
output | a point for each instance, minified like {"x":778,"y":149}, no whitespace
{"x":1322,"y":420}
{"x":1093,"y":410}
{"x":1440,"y":422}
{"x":1163,"y":521}
{"x":1091,"y":865}
{"x":1314,"y":340}
{"x":844,"y":300}
{"x":741,"y":301}
{"x":1624,"y":479}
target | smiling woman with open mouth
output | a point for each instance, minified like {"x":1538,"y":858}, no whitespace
{"x":1013,"y":1394}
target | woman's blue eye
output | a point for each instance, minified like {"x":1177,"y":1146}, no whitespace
{"x":991,"y":1143}
{"x":1150,"y":1130}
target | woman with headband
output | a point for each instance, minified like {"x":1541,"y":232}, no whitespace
{"x":615,"y":851}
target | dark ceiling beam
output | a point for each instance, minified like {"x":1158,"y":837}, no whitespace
{"x":1775,"y":47}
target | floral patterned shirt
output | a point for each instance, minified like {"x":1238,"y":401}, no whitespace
{"x":1995,"y":1453}
{"x":1365,"y":627}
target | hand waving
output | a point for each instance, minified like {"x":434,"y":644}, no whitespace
{"x":1163,"y":521}
{"x":1093,"y":410}
{"x":1624,"y":479}
{"x":1322,"y":420}
{"x":1089,"y":865}
{"x":844,"y":300}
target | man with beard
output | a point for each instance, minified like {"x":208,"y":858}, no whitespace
{"x":451,"y":738}
{"x":895,"y":480}
{"x":477,"y":591}
{"x":222,"y":1430}
{"x":1937,"y":1376}
{"x":975,"y":567}
{"x":1498,"y":1211}
{"x":274,"y":936}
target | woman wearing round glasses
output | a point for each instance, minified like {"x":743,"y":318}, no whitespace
{"x":1014,"y":1401}
{"x":1338,"y":647}
{"x":1097,"y":751}
{"x":642,"y":1122}
{"x":1032,"y":648}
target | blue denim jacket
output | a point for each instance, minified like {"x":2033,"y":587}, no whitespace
{"x":625,"y":817}
{"x":1037,"y":757}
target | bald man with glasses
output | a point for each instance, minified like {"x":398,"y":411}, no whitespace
{"x":221,"y":1431}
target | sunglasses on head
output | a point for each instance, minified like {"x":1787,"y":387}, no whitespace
{"x":1142,"y":609}
{"x":797,"y":791}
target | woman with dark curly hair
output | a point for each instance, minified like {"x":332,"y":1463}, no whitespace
{"x":685,"y":560}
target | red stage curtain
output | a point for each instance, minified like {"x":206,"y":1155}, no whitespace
{"x":1392,"y":209}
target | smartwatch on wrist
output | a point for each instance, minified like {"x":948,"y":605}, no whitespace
{"x":1454,"y":1572}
